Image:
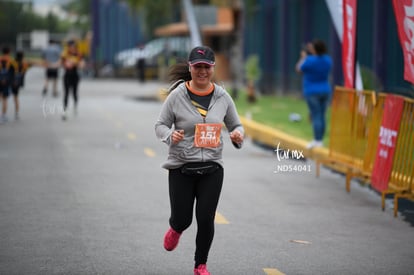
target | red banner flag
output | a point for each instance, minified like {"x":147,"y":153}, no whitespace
{"x":388,"y":134}
{"x":349,"y":11}
{"x":404,"y":14}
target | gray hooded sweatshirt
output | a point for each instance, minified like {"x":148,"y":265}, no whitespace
{"x":178,"y":113}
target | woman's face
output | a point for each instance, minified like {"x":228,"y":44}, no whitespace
{"x":201,"y":74}
{"x":311,"y":48}
{"x":72,"y":48}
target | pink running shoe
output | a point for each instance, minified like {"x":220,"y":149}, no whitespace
{"x":171,"y":239}
{"x":201,"y":270}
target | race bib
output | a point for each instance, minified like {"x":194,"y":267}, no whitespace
{"x":207,"y":135}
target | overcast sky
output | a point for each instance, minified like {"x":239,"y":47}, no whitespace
{"x":44,"y":6}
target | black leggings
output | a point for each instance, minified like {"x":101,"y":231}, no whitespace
{"x":70,"y":82}
{"x":205,"y":189}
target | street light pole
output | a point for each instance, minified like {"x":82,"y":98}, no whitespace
{"x":192,"y":23}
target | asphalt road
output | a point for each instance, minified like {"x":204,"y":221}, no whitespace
{"x":88,"y":196}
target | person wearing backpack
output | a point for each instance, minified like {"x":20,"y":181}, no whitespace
{"x":7,"y":69}
{"x":21,"y":66}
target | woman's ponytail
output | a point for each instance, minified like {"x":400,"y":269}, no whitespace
{"x":179,"y":71}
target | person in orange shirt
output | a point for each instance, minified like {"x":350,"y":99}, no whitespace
{"x":71,"y":61}
{"x":7,"y":68}
{"x":21,"y":67}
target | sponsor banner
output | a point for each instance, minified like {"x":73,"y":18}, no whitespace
{"x":387,"y":139}
{"x":335,"y":8}
{"x":404,"y":14}
{"x":349,"y":12}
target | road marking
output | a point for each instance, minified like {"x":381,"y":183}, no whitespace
{"x":68,"y":144}
{"x":300,"y":242}
{"x":132,"y":136}
{"x":109,"y":116}
{"x":149,"y":152}
{"x":220,"y":219}
{"x":272,"y":271}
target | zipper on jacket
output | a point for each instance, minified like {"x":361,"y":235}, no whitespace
{"x":202,"y":148}
{"x":203,"y":118}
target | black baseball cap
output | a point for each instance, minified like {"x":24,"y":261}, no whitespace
{"x":201,"y":54}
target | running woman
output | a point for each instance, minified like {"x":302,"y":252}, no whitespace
{"x":72,"y":61}
{"x":190,"y":123}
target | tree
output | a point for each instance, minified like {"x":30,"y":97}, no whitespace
{"x":81,"y":9}
{"x":253,"y":73}
{"x":156,"y":12}
{"x":16,"y":18}
{"x":19,"y":17}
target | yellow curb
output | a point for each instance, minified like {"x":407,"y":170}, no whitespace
{"x":272,"y":137}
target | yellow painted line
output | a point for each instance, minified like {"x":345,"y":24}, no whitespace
{"x":220,"y":219}
{"x":149,"y":152}
{"x":109,"y":116}
{"x":132,"y":136}
{"x":272,"y":271}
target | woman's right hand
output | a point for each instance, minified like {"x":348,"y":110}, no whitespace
{"x":303,"y":54}
{"x":177,"y":136}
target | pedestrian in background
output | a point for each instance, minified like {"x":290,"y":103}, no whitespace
{"x":315,"y":65}
{"x":21,"y":67}
{"x":51,"y":61}
{"x":7,"y":70}
{"x":72,"y":61}
{"x":140,"y":65}
{"x":190,"y":124}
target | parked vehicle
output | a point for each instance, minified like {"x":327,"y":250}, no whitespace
{"x":157,"y":52}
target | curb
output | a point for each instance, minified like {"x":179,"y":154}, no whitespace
{"x":272,"y":137}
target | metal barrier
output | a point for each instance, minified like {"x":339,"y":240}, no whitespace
{"x":355,"y":125}
{"x":402,"y":175}
{"x":355,"y":122}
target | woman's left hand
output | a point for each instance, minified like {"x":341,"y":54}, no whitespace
{"x":236,"y":137}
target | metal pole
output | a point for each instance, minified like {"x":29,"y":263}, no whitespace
{"x":192,"y":23}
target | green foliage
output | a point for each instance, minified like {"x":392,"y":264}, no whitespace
{"x":223,"y":3}
{"x":252,"y":68}
{"x":20,"y":18}
{"x":82,"y":10}
{"x":157,"y":12}
{"x":274,"y":111}
{"x":137,"y":4}
{"x":251,"y":7}
{"x":370,"y":80}
{"x":79,"y":7}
